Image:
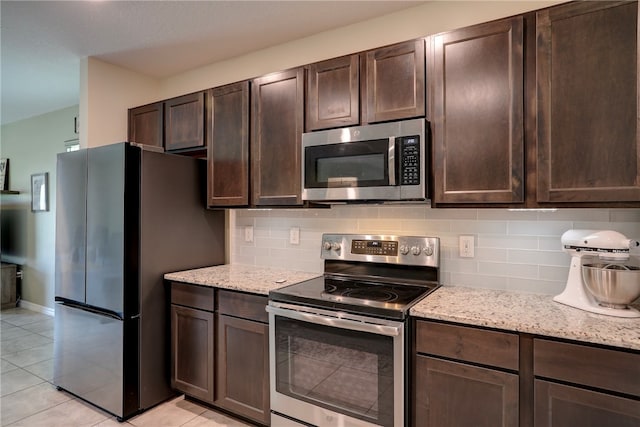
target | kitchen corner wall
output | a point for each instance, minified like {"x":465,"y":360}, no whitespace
{"x":31,"y":145}
{"x":518,"y":250}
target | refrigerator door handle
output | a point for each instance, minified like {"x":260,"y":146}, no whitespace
{"x":88,"y":308}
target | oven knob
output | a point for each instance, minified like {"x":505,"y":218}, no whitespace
{"x":416,"y":250}
{"x":404,"y":249}
{"x":428,"y":250}
{"x":336,"y":246}
{"x":326,"y":245}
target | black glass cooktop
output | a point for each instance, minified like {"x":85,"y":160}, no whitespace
{"x":390,"y":300}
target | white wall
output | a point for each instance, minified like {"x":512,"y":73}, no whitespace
{"x":31,"y":146}
{"x":518,"y":251}
{"x":106,"y":93}
{"x":429,"y":18}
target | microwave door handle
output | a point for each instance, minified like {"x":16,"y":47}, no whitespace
{"x":392,"y":161}
{"x":335,"y":322}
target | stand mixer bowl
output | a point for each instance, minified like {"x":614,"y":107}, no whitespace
{"x":612,"y":285}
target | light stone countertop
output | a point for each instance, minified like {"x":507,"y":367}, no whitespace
{"x":529,"y":313}
{"x":511,"y":311}
{"x":246,"y":278}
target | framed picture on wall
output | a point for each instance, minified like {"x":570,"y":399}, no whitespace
{"x":4,"y":174}
{"x":40,"y":192}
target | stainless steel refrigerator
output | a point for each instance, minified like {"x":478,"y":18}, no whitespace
{"x":124,"y":217}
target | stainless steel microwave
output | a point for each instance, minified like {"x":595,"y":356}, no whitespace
{"x":371,"y":163}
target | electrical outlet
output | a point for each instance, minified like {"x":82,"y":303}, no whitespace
{"x":466,"y":247}
{"x":294,"y":235}
{"x":248,"y":233}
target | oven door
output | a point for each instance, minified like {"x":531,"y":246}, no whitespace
{"x":333,"y":369}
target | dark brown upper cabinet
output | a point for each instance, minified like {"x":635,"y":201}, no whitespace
{"x":333,"y":93}
{"x":277,"y":105}
{"x":587,"y":95}
{"x":146,"y":125}
{"x":184,"y":122}
{"x":394,"y":82}
{"x":478,"y":108}
{"x":228,"y":145}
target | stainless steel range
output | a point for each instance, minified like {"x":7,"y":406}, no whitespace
{"x":338,"y":342}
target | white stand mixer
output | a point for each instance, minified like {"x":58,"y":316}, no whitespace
{"x":588,"y":244}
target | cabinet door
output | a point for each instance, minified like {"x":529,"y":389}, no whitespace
{"x":277,"y":105}
{"x":395,"y":82}
{"x":333,"y":93}
{"x":184,"y":122}
{"x":242,"y":367}
{"x":146,"y":125}
{"x":458,"y":395}
{"x":558,"y":405}
{"x":192,"y":352}
{"x":587,"y":94}
{"x":228,"y":145}
{"x":478,"y":114}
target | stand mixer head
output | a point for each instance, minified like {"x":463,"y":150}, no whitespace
{"x":584,"y":246}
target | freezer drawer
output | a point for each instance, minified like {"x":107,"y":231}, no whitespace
{"x":89,"y":358}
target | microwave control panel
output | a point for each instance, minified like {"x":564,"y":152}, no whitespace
{"x":409,"y":160}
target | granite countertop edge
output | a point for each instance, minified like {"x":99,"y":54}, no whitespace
{"x":513,"y":311}
{"x":534,"y":314}
{"x":239,"y":277}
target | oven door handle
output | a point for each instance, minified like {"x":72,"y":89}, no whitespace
{"x":353,"y":325}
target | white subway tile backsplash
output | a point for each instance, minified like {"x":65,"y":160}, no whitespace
{"x":478,"y":281}
{"x":377,"y":225}
{"x":546,"y":243}
{"x":625,"y":215}
{"x":507,"y":242}
{"x":490,"y":254}
{"x":534,"y":286}
{"x":525,"y":271}
{"x":459,"y":265}
{"x":551,"y":273}
{"x":404,"y":212}
{"x":538,"y":228}
{"x":514,"y":250}
{"x":460,"y":214}
{"x":506,"y":215}
{"x":575,"y":215}
{"x":556,"y":258}
{"x":479,"y":227}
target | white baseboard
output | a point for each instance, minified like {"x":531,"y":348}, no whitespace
{"x":36,"y":307}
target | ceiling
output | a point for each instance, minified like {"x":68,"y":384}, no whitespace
{"x":42,"y":42}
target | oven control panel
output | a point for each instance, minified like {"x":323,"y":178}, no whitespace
{"x":407,"y":250}
{"x":374,"y":247}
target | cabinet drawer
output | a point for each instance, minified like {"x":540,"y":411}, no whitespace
{"x":468,"y":344}
{"x":247,"y":306}
{"x":591,"y":366}
{"x":200,"y":297}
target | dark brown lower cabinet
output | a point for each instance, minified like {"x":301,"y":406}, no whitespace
{"x":456,"y":394}
{"x":559,"y":405}
{"x":242,"y":362}
{"x":220,"y":349}
{"x":465,"y":376}
{"x":473,"y":376}
{"x":584,"y":385}
{"x":192,"y":352}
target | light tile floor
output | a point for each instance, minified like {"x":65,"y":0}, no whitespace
{"x":28,"y":399}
